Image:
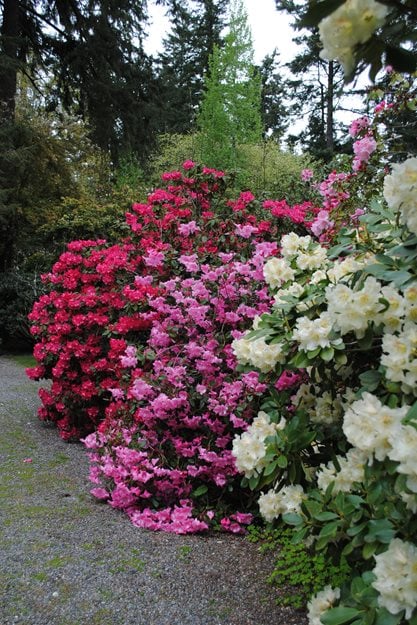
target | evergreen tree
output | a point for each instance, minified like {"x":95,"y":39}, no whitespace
{"x":196,"y":29}
{"x":94,"y":51}
{"x":230,"y":113}
{"x":274,"y":109}
{"x":315,"y":88}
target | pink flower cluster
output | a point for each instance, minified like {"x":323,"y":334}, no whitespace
{"x":136,"y":340}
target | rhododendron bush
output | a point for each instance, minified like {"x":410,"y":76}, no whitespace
{"x":136,"y":339}
{"x":334,"y":452}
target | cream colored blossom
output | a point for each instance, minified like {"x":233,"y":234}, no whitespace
{"x":371,"y":427}
{"x":288,"y":499}
{"x":320,"y":603}
{"x":277,"y":271}
{"x":352,"y":467}
{"x":396,"y":577}
{"x":292,"y":242}
{"x":352,"y":23}
{"x":400,"y":192}
{"x":313,"y":333}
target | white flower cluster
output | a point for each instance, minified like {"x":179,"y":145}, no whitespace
{"x":400,"y":357}
{"x":351,"y":309}
{"x":314,"y":333}
{"x":320,"y":603}
{"x":249,"y":448}
{"x":277,"y":271}
{"x":400,"y":192}
{"x":351,"y":24}
{"x":321,"y":407}
{"x":396,"y":577}
{"x":288,"y":499}
{"x":372,"y":427}
{"x":258,"y":353}
{"x":352,"y":467}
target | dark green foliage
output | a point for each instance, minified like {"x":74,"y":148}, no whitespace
{"x":196,"y":28}
{"x":297,"y":571}
{"x":94,"y":51}
{"x":18,"y":292}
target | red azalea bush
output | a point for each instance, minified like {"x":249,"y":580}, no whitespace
{"x":136,"y":340}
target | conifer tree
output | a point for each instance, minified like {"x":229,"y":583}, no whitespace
{"x":230,"y":113}
{"x":196,"y":29}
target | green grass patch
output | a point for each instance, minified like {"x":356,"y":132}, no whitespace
{"x":24,"y":360}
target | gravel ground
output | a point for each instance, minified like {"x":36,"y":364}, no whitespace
{"x":67,"y":560}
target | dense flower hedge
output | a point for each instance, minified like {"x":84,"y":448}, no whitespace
{"x":334,"y":454}
{"x":136,"y":339}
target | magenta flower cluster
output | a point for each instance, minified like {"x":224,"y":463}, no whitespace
{"x":136,"y":341}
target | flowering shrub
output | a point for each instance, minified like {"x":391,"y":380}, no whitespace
{"x":136,"y":339}
{"x":333,"y":453}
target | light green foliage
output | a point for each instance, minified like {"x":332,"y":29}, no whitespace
{"x":230,"y":113}
{"x":272,"y":173}
{"x":298,"y":571}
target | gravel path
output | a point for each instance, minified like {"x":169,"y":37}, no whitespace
{"x":67,"y":560}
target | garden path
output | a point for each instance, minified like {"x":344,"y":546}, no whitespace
{"x":67,"y":560}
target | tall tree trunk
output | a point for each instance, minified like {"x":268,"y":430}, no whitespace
{"x":9,"y":62}
{"x":329,"y":117}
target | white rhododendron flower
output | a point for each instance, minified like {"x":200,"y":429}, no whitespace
{"x":326,"y":409}
{"x":249,"y":448}
{"x":400,"y":357}
{"x":396,"y":577}
{"x":291,"y":243}
{"x":352,"y":310}
{"x":352,"y":468}
{"x":403,"y":450}
{"x":277,"y":271}
{"x":351,"y":24}
{"x":258,"y":353}
{"x":312,"y":259}
{"x":295,"y":290}
{"x":288,"y":499}
{"x":372,"y":427}
{"x":410,"y":299}
{"x":344,"y":268}
{"x":313,"y":333}
{"x":320,"y":603}
{"x":400,"y":192}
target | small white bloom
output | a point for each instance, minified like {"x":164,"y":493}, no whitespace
{"x":371,"y":427}
{"x":352,"y":23}
{"x":288,"y":499}
{"x":291,"y":243}
{"x":352,"y":467}
{"x":277,"y":271}
{"x":320,"y":603}
{"x":396,"y":577}
{"x":400,"y":191}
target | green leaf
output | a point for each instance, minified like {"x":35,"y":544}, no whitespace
{"x":319,"y":10}
{"x":282,"y":462}
{"x":270,"y":468}
{"x":371,"y":379}
{"x":325,"y":516}
{"x":339,"y":615}
{"x":411,"y":414}
{"x":329,"y":530}
{"x":368,"y":550}
{"x":380,"y":530}
{"x":383,"y":617}
{"x":198,"y":492}
{"x":327,"y":354}
{"x":291,"y":518}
